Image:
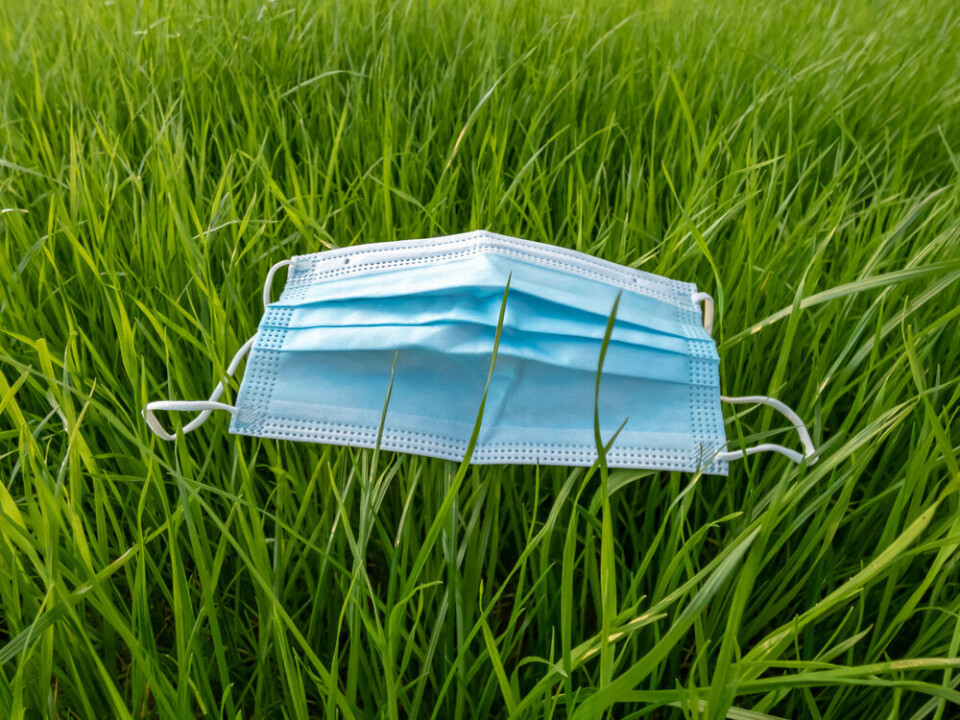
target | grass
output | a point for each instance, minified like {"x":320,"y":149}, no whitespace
{"x":801,"y":161}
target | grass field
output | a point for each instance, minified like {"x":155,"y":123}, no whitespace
{"x":799,"y":160}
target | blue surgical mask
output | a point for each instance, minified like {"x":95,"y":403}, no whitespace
{"x":418,"y":320}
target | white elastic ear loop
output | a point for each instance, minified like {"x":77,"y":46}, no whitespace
{"x":205,"y":406}
{"x":209,"y":405}
{"x":707,"y":310}
{"x":268,"y":284}
{"x":809,"y":451}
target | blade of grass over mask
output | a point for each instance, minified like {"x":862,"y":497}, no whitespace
{"x":608,"y":587}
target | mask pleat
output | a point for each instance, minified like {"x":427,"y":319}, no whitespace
{"x":486,"y":276}
{"x":524,"y":312}
{"x":471,"y":339}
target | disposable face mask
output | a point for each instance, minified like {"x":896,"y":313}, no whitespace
{"x":418,"y":320}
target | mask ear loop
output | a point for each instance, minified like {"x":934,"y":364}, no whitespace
{"x":707,"y":310}
{"x":206,"y":407}
{"x":809,"y":451}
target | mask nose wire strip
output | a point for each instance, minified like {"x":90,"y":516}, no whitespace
{"x":707,"y":310}
{"x":206,"y":407}
{"x":809,"y":451}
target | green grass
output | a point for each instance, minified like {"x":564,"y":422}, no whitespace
{"x":801,"y":161}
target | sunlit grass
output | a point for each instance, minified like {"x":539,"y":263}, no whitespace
{"x":798,"y":160}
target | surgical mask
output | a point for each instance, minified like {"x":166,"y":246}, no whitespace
{"x":390,"y":345}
